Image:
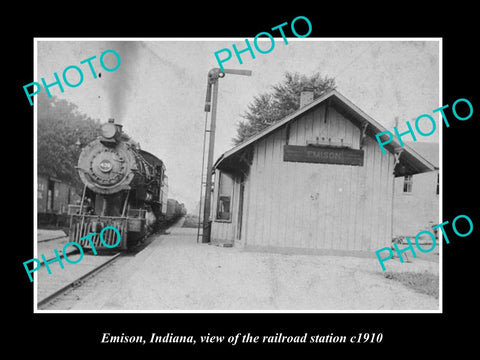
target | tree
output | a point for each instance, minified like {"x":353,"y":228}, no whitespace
{"x":270,"y":107}
{"x":60,"y":127}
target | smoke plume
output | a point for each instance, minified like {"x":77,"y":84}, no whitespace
{"x":118,"y":83}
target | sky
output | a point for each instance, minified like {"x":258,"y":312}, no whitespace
{"x":158,"y":91}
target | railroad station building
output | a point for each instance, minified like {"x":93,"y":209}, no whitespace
{"x":314,"y":182}
{"x":416,"y":199}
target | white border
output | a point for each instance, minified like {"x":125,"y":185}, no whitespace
{"x":35,"y":178}
{"x":440,"y":242}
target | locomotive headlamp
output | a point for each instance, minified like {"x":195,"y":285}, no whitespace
{"x":108,"y":130}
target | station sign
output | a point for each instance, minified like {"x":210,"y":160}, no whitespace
{"x":323,"y":155}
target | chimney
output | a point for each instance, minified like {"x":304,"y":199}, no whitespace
{"x":306,"y":96}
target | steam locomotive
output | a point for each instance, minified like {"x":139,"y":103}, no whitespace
{"x":124,"y":187}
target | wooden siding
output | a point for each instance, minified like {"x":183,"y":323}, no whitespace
{"x":310,"y":205}
{"x":318,"y":206}
{"x":62,"y":195}
{"x":224,"y":231}
{"x":417,"y":210}
{"x":42,"y":194}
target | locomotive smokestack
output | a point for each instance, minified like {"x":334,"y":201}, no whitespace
{"x":118,"y":127}
{"x":111,"y":132}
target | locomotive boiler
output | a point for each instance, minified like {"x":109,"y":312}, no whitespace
{"x":124,"y":187}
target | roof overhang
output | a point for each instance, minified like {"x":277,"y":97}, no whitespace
{"x":410,"y":162}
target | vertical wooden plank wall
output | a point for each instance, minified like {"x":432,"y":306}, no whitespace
{"x":224,"y":231}
{"x":318,"y":206}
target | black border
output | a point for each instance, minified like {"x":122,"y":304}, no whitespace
{"x":402,"y":333}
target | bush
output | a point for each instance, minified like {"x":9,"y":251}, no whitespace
{"x":424,"y":283}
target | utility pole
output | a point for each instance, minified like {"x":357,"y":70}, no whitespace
{"x":211,"y":100}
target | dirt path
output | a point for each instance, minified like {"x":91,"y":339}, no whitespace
{"x":176,"y":273}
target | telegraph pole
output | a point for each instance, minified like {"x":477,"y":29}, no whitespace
{"x":211,"y":100}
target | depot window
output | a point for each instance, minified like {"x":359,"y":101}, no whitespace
{"x":407,"y":184}
{"x":224,"y":203}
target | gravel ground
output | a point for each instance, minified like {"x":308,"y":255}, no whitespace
{"x":176,"y":273}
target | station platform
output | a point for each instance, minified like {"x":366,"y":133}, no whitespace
{"x":175,"y":273}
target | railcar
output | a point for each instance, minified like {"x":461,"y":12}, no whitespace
{"x":174,"y":210}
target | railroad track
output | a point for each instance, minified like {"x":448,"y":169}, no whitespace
{"x":63,"y":288}
{"x":51,"y":287}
